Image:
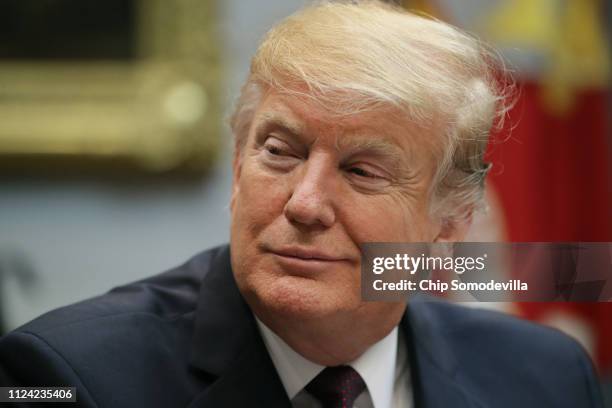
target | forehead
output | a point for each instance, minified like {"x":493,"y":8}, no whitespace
{"x":306,"y":118}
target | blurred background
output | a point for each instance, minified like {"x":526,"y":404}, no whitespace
{"x":115,"y":153}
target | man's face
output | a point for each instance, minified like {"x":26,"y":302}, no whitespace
{"x":308,"y":189}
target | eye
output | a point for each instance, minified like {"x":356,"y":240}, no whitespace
{"x":358,"y":171}
{"x":278,"y":154}
{"x":276,"y":147}
{"x":273,"y":150}
{"x":367,"y":177}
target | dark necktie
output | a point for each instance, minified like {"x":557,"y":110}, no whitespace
{"x":336,"y":387}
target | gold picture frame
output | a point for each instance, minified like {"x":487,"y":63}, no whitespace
{"x":158,"y":112}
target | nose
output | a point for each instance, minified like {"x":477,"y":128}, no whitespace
{"x":311,"y":201}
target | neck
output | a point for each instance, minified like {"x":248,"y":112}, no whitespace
{"x":330,"y":341}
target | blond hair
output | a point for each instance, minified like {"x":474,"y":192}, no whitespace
{"x":363,"y":55}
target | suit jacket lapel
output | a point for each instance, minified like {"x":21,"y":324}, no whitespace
{"x":433,"y":365}
{"x":227,"y":346}
{"x":252,"y":381}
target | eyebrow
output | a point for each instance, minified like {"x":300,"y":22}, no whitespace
{"x":357,"y":144}
{"x":370,"y":145}
{"x":269,"y":121}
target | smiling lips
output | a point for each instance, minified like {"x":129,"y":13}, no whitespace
{"x":308,"y":260}
{"x":306,"y":254}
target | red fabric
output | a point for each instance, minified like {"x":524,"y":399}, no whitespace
{"x":552,"y":176}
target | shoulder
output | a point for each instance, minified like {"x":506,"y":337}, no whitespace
{"x":143,"y":327}
{"x":164,"y":296}
{"x":471,"y":326}
{"x":507,"y":358}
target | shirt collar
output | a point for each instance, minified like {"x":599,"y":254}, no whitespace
{"x":376,"y":366}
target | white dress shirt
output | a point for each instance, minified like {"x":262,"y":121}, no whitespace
{"x":383,"y":367}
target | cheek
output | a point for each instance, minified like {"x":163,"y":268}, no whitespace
{"x":388,"y":219}
{"x":259,"y":199}
{"x":257,"y":203}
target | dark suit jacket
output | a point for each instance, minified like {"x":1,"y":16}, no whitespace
{"x":186,"y":338}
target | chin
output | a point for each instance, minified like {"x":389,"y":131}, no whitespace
{"x":297,"y":298}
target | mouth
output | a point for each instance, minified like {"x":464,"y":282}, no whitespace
{"x":306,"y":254}
{"x":305,"y":261}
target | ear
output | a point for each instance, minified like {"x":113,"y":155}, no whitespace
{"x":454,"y":230}
{"x":236,"y":171}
